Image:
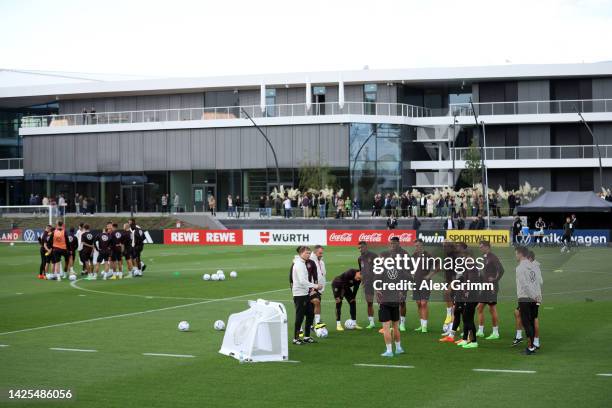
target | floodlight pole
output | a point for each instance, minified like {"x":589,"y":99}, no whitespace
{"x":278,"y":183}
{"x":452,"y":151}
{"x":596,"y":142}
{"x":357,"y":155}
{"x":485,"y":181}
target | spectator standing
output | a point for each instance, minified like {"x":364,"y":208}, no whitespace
{"x":84,"y":114}
{"x":322,"y":206}
{"x":287,"y":207}
{"x":356,"y":205}
{"x":230,"y":206}
{"x":164,"y":203}
{"x":177,"y":203}
{"x":212,"y":204}
{"x":262,"y":206}
{"x":306,"y":206}
{"x":61,"y":202}
{"x":511,"y":203}
{"x":238,"y":206}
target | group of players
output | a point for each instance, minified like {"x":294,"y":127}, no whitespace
{"x":108,"y":248}
{"x":308,"y":281}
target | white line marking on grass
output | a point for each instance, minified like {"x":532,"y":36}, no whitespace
{"x":96,"y":319}
{"x":4,"y":345}
{"x":168,"y":355}
{"x":605,"y":375}
{"x":491,"y":370}
{"x":72,"y":349}
{"x":384,"y":365}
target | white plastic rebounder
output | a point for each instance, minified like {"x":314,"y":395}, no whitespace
{"x":258,"y":333}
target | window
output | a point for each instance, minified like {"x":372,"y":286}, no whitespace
{"x":270,"y":102}
{"x":318,"y":93}
{"x":369,"y":98}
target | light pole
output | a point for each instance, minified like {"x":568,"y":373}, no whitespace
{"x":357,"y":155}
{"x":269,"y":144}
{"x":596,"y":142}
{"x":132,"y":198}
{"x":485,"y":184}
{"x":452,"y":151}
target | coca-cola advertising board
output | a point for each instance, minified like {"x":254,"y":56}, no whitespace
{"x":372,"y":237}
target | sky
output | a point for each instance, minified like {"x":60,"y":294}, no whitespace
{"x":207,"y":38}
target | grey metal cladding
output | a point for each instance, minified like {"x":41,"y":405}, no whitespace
{"x":353,"y":93}
{"x":253,"y":148}
{"x":203,"y":148}
{"x":131,"y":152}
{"x":296,"y":95}
{"x":178,"y":143}
{"x":108,"y":154}
{"x":334,"y":145}
{"x":86,"y":153}
{"x":227,"y":148}
{"x":533,"y":91}
{"x":305,"y":145}
{"x":331,"y":94}
{"x":63,"y":153}
{"x":154,"y":150}
{"x":249,"y":97}
{"x":282,"y":140}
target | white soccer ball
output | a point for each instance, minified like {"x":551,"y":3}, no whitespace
{"x":215,"y":277}
{"x":233,"y":274}
{"x":12,"y":244}
{"x":219,"y":325}
{"x":219,"y":272}
{"x":322,"y":332}
{"x":183,"y":326}
{"x":206,"y":277}
{"x":72,"y":277}
{"x":350,"y":324}
{"x":221,"y":277}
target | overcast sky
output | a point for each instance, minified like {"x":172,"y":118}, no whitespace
{"x":201,"y":38}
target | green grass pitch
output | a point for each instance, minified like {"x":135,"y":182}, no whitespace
{"x":124,"y":319}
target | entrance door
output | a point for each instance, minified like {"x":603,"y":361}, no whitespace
{"x":132,"y":196}
{"x":201,"y":194}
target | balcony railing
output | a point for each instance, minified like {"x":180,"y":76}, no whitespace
{"x":538,"y":152}
{"x":530,"y":107}
{"x":227,"y":112}
{"x":11,"y":164}
{"x":318,"y":109}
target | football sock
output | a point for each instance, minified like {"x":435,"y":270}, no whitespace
{"x":371,"y":319}
{"x":536,"y":341}
{"x":496,"y":330}
{"x":317,"y":318}
{"x":451,"y":333}
{"x":353,"y":310}
{"x":519,"y":334}
{"x":389,"y":348}
{"x":402,"y":319}
{"x":481,"y":328}
{"x":72,"y":270}
{"x":424,"y":323}
{"x":449,"y":311}
{"x":338,"y":322}
{"x":398,"y":345}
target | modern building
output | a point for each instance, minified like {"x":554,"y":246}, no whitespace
{"x":376,"y":131}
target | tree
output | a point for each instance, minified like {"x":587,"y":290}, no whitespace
{"x":472,"y":173}
{"x":313,"y":176}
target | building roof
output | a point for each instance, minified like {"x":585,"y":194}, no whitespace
{"x":20,"y":88}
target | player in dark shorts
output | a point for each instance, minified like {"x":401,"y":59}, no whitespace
{"x":394,"y":250}
{"x":492,"y":273}
{"x":366,"y":263}
{"x":422,"y":277}
{"x":566,"y":239}
{"x":345,"y":286}
{"x":518,"y":338}
{"x":73,"y":245}
{"x":60,"y":249}
{"x":116,"y":252}
{"x":389,"y":308}
{"x":86,"y":252}
{"x":138,"y":238}
{"x":470,"y":299}
{"x":452,"y":250}
{"x":45,"y":253}
{"x":126,"y":247}
{"x":103,"y":244}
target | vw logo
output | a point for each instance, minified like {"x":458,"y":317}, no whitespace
{"x":392,"y":274}
{"x":29,"y":235}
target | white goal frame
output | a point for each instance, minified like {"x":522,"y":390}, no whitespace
{"x":4,"y":213}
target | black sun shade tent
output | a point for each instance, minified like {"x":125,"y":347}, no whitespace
{"x":592,"y":211}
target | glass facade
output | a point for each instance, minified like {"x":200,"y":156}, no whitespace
{"x":377,"y":155}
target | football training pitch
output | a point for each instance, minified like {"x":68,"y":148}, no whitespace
{"x":116,"y":343}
